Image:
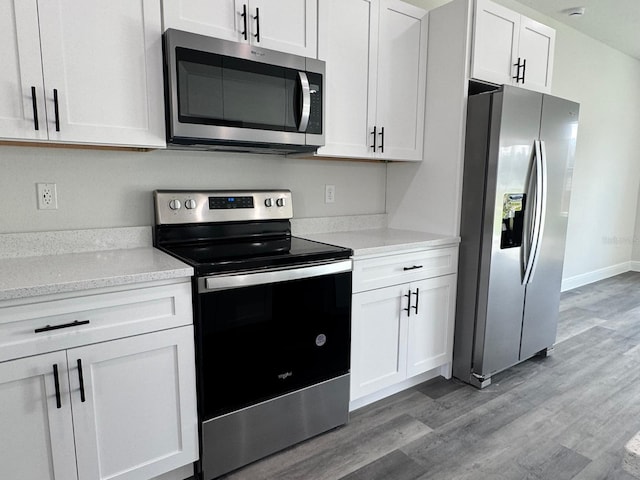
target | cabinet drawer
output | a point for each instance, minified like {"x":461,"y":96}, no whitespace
{"x":407,"y":267}
{"x":99,"y":317}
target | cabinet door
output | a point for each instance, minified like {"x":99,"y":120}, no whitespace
{"x":36,"y":439}
{"x":378,"y":339}
{"x":402,"y":60}
{"x":495,"y":43}
{"x":138,"y":419}
{"x":537,"y":44}
{"x":346,"y":33}
{"x":217,"y":18}
{"x":21,"y":72}
{"x":104,"y":60}
{"x":286,"y":25}
{"x":430,"y":329}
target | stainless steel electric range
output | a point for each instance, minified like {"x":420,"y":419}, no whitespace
{"x":272,"y":316}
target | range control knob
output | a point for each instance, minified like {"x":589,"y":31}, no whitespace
{"x":175,"y":204}
{"x":268,"y":202}
{"x":281,"y":202}
{"x":190,"y":204}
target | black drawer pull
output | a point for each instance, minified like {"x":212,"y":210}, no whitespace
{"x":81,"y":381}
{"x":417,"y":294}
{"x":56,"y":380}
{"x":48,"y":328}
{"x":415,"y":267}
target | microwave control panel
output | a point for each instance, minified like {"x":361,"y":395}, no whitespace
{"x":315,"y":114}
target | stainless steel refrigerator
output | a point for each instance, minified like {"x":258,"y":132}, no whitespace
{"x":516,"y":186}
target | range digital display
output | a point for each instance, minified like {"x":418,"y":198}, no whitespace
{"x":226,"y":203}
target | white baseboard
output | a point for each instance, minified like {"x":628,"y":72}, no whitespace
{"x":600,"y":274}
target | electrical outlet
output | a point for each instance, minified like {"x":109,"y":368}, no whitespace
{"x":329,"y":194}
{"x":47,"y":196}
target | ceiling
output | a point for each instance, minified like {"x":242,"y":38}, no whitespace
{"x":614,"y":22}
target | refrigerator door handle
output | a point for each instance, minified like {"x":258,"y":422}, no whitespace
{"x":542,"y":194}
{"x":539,"y":195}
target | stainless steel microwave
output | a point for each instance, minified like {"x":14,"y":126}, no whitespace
{"x":230,"y":96}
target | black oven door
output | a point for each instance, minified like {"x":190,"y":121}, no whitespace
{"x":267,"y":339}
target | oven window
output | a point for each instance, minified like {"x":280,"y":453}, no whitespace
{"x":226,"y":91}
{"x":259,"y":342}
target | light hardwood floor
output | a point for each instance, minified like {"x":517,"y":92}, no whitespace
{"x":567,"y":416}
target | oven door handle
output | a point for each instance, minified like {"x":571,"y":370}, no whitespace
{"x":261,"y":277}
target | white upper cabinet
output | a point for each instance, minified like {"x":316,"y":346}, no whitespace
{"x":537,"y":44}
{"x":286,"y":25}
{"x":375,"y":52}
{"x":346,"y":32}
{"x":90,"y":72}
{"x":103,"y":61}
{"x":22,"y":114}
{"x":509,"y":48}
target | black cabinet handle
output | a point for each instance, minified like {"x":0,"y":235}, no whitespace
{"x":417,"y":294}
{"x":375,"y":136}
{"x":517,"y":65}
{"x":415,"y":267}
{"x":35,"y":108}
{"x":381,"y":147}
{"x":244,"y":19}
{"x":257,"y":19}
{"x":408,"y":309}
{"x":56,"y":380}
{"x":48,"y":328}
{"x":81,"y":380}
{"x":56,"y":109}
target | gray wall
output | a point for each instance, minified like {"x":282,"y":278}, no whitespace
{"x":100,"y":188}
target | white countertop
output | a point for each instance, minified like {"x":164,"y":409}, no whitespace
{"x":43,"y":263}
{"x":47,"y":274}
{"x":384,"y":241}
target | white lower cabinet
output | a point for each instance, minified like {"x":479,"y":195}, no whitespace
{"x":36,"y":436}
{"x":400,"y":331}
{"x":138,"y":418}
{"x":122,"y":409}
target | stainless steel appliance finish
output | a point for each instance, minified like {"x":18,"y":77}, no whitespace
{"x":173,"y":207}
{"x":271,"y":318}
{"x":247,"y":435}
{"x":518,"y":165}
{"x":261,"y":277}
{"x":270,"y":85}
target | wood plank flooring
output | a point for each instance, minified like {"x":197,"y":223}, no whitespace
{"x":567,"y":416}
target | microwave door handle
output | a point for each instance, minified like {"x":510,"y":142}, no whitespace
{"x":305,"y":110}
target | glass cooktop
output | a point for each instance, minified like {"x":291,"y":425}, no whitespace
{"x":249,"y":254}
